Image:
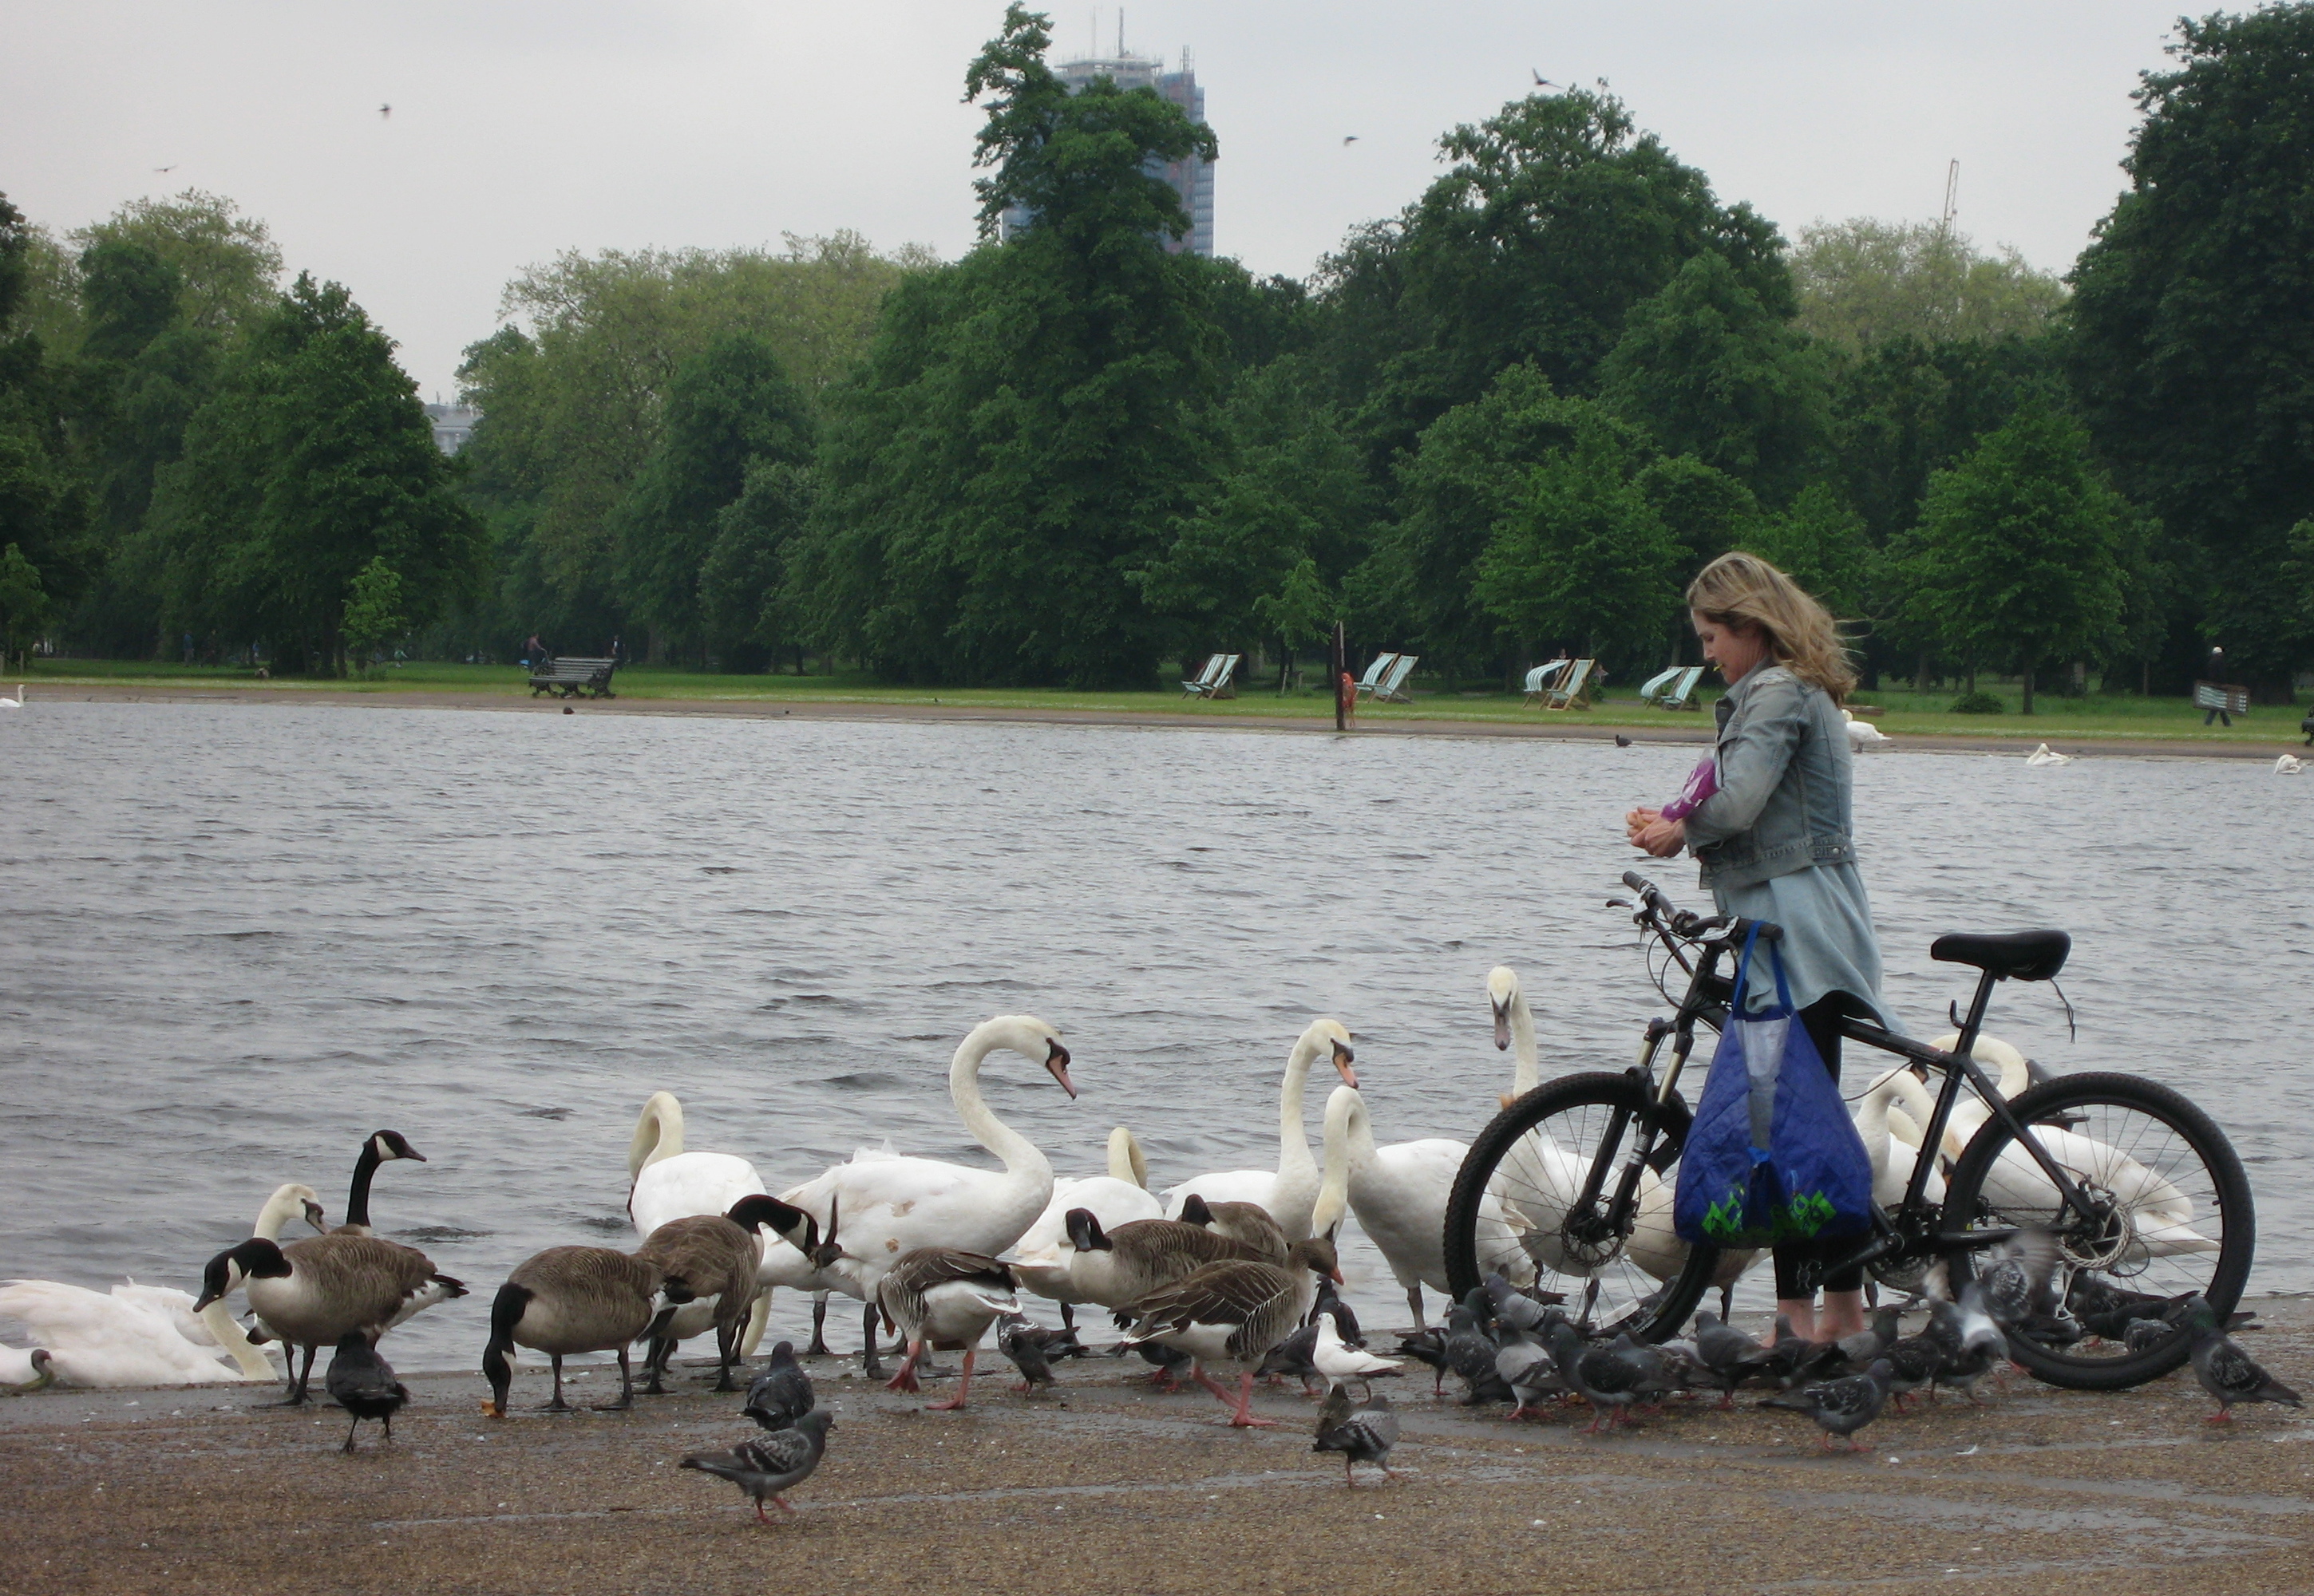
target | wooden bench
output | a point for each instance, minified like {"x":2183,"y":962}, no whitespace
{"x":574,"y":678}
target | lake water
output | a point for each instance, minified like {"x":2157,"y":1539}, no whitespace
{"x":234,"y":940}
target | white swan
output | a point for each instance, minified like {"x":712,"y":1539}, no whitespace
{"x":2044,"y":754}
{"x":1288,"y":1191}
{"x":787,"y":1265}
{"x":669,"y":1183}
{"x":1400,"y":1195}
{"x":14,"y":703}
{"x":886,"y":1206}
{"x":1863,"y":734}
{"x":288,"y":1202}
{"x":2288,"y":764}
{"x":1119,"y":1197}
{"x":1877,"y":1120}
{"x":1514,"y":1029}
{"x":97,"y":1339}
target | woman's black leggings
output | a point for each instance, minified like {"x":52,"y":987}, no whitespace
{"x":1822,"y":1020}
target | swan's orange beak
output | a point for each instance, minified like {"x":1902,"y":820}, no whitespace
{"x":1343,"y":1059}
{"x":1056,"y":1061}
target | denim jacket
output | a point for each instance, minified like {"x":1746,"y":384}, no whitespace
{"x":1785,"y":783}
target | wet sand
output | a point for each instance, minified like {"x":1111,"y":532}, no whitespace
{"x":1113,"y":1489}
{"x":2285,"y":738}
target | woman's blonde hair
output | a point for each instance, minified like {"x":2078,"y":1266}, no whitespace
{"x":1741,"y":589}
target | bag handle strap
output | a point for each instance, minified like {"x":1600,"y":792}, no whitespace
{"x":1744,"y":978}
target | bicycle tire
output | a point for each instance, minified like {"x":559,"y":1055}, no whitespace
{"x":2202,"y":1168}
{"x":1571,"y":1102}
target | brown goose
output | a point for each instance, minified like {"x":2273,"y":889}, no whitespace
{"x":382,"y":1147}
{"x":945,"y":1299}
{"x":311,"y":1292}
{"x":1118,"y":1267}
{"x":1248,"y":1222}
{"x":1234,"y":1313}
{"x":716,"y":1255}
{"x":576,"y":1299}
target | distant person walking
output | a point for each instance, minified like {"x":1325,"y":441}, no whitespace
{"x":534,"y":651}
{"x":2213,"y":671}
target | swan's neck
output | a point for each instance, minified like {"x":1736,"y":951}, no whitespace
{"x":277,"y":1213}
{"x":659,"y":1135}
{"x":1526,"y":1067}
{"x":1019,"y":1154}
{"x":1293,"y":1140}
{"x":1334,"y":1183}
{"x":357,"y":1194}
{"x":1124,"y":1160}
{"x":237,"y":1345}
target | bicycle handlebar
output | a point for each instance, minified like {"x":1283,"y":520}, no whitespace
{"x":1669,"y":917}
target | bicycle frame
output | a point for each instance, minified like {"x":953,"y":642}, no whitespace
{"x":1707,"y":996}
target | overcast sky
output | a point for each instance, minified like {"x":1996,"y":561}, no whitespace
{"x":523,"y":128}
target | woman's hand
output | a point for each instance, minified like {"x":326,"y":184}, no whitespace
{"x":1637,"y":821}
{"x":1662,"y":838}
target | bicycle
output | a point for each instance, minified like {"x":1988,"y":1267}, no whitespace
{"x":1573,"y":1182}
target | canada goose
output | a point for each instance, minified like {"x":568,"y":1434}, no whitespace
{"x":1288,"y":1192}
{"x":716,"y":1255}
{"x":944,"y":1299}
{"x":1234,"y":1313}
{"x":380,"y":1147}
{"x":1119,"y":1197}
{"x":665,"y":1182}
{"x":894,"y":1206}
{"x":311,"y":1292}
{"x":571,"y":1299}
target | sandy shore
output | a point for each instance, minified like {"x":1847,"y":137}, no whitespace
{"x":1116,"y":1490}
{"x":2286,"y":740}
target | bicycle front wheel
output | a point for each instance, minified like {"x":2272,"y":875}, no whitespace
{"x":2168,"y":1213}
{"x":1520,"y":1205}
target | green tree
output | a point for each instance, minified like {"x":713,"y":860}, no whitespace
{"x":730,"y":406}
{"x":1709,"y":368}
{"x":227,"y":266}
{"x":1033,"y":420}
{"x":1861,"y":282}
{"x":2194,"y":325}
{"x":314,"y":459}
{"x":23,"y":605}
{"x":2017,"y":557}
{"x":373,"y":612}
{"x":1820,"y":543}
{"x":43,"y":511}
{"x":1709,"y":511}
{"x":1581,"y":557}
{"x":745,"y":601}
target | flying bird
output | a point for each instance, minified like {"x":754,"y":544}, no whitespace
{"x":164,"y":168}
{"x":383,"y":111}
{"x":1542,"y":82}
{"x":1350,"y":139}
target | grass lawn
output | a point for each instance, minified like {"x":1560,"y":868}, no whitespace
{"x":2054,"y":718}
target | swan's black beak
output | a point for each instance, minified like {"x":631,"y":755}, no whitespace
{"x":313,"y":1218}
{"x":1343,"y":1059}
{"x":1502,"y":1027}
{"x":1056,"y":1061}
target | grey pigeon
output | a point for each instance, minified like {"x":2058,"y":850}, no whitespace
{"x":1789,"y":1354}
{"x":1525,"y":1365}
{"x":1969,"y":1342}
{"x":1912,"y":1362}
{"x":2105,"y":1309}
{"x":774,"y":1463}
{"x":782,"y":1394}
{"x":363,"y":1384}
{"x":1032,"y":1348}
{"x":1840,"y":1406}
{"x":1295,"y":1356}
{"x":1346,"y":1323}
{"x":1426,"y":1346}
{"x":1727,"y":1353}
{"x":1363,"y":1434}
{"x":1603,"y":1379}
{"x":2226,"y":1371}
{"x":2017,"y":1278}
{"x":1514,"y":1308}
{"x":1469,"y":1351}
{"x":1861,"y":1348}
{"x":2143,"y":1334}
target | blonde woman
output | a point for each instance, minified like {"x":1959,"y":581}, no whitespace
{"x":1775,"y":839}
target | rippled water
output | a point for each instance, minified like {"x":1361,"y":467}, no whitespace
{"x":234,"y":940}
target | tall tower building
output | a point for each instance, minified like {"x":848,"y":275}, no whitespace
{"x":1192,"y":177}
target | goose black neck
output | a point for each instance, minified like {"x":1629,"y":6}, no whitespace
{"x":358,"y":1194}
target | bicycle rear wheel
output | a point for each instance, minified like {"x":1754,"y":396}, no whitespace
{"x":1518,"y":1206}
{"x":2170,"y":1214}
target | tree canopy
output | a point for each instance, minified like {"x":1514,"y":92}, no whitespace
{"x":1861,"y":282}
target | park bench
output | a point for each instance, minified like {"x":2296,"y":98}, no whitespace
{"x":574,"y":678}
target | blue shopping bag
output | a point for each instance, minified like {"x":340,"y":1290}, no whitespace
{"x":1772,"y":1156}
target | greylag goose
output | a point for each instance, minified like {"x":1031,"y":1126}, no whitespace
{"x":771,"y":1464}
{"x":571,"y":1299}
{"x":1114,"y":1268}
{"x":309,"y":1293}
{"x":1117,"y":1198}
{"x":1234,"y":1312}
{"x":944,"y":1299}
{"x":1248,"y":1222}
{"x":362,"y":1383}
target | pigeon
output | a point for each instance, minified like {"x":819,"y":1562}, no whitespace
{"x":1427,"y":1346}
{"x":1840,"y":1406}
{"x":782,"y":1394}
{"x":1606,"y":1379}
{"x":1728,"y":1353}
{"x":1169,"y":1362}
{"x":1340,"y":1362}
{"x":776,"y":1462}
{"x":1524,"y":1364}
{"x":1361,"y":1434}
{"x":1294,"y":1356}
{"x":2016,"y":1278}
{"x":1789,"y":1357}
{"x":363,"y":1384}
{"x":1469,"y":1351}
{"x":1328,"y":1300}
{"x":1969,"y":1343}
{"x":2105,"y":1309}
{"x":1513,"y":1307}
{"x":1032,"y":1348}
{"x":2226,"y":1371}
{"x":1912,"y":1362}
{"x":1862,"y":1347}
{"x":2143,"y":1334}
{"x":1621,"y":741}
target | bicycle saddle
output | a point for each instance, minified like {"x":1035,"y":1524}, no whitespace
{"x":2029,"y":955}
